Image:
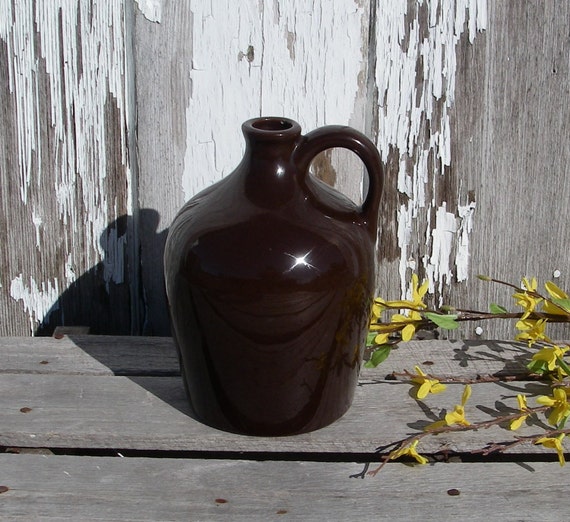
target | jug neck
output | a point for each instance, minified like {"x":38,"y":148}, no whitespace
{"x":271,"y":137}
{"x":270,"y":173}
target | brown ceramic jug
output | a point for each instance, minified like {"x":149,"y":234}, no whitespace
{"x":270,"y":275}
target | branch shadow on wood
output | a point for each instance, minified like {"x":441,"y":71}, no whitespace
{"x":512,"y":355}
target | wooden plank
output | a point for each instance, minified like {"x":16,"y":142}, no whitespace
{"x":66,"y":174}
{"x":222,"y":63}
{"x":89,"y":355}
{"x":151,"y":413}
{"x":471,"y":118}
{"x":122,"y":355}
{"x":99,"y":488}
{"x":510,"y":150}
{"x":427,"y":214}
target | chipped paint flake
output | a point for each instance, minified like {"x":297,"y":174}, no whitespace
{"x":38,"y":222}
{"x":415,"y":77}
{"x":465,"y":226}
{"x":37,"y":299}
{"x":438,"y":267}
{"x":151,"y":9}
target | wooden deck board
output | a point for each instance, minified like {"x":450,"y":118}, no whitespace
{"x":83,"y":395}
{"x":89,"y":355}
{"x":150,"y":413}
{"x":105,"y":355}
{"x":106,"y":488}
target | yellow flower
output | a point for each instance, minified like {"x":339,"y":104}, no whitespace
{"x":518,"y":422}
{"x":410,"y":321}
{"x":418,"y":292}
{"x":559,"y":404}
{"x":554,"y":443}
{"x":457,"y":416}
{"x":531,"y":285}
{"x":555,"y":293}
{"x":409,"y":450}
{"x":426,"y":385}
{"x":377,"y":309}
{"x":531,"y":331}
{"x":525,"y":300}
{"x":381,"y":338}
{"x":550,"y":355}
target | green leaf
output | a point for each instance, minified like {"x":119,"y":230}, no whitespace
{"x":370,"y":338}
{"x":562,"y":303}
{"x":564,"y":365}
{"x":497,"y":309}
{"x":447,"y":322}
{"x":380,"y":355}
{"x":539,"y":367}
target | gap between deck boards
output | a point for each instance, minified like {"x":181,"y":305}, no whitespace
{"x":366,"y":459}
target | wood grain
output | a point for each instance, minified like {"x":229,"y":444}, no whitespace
{"x":116,"y":113}
{"x":77,"y":400}
{"x":66,"y":175}
{"x":511,"y":150}
{"x":100,"y":488}
{"x":121,"y":355}
{"x":61,"y":401}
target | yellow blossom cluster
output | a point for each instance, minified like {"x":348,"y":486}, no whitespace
{"x":537,"y":311}
{"x":531,"y":329}
{"x":406,"y":324}
{"x":559,"y":412}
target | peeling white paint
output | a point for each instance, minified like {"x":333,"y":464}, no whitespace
{"x":314,"y":59}
{"x":226,"y":90}
{"x":299,"y":52}
{"x":404,"y":236}
{"x":36,"y":299}
{"x":81,"y":47}
{"x":415,"y":68}
{"x":38,"y":222}
{"x":438,"y":268}
{"x":151,"y":9}
{"x":70,"y":274}
{"x":85,"y":73}
{"x":465,"y":226}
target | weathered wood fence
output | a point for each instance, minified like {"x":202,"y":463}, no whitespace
{"x":114,"y":113}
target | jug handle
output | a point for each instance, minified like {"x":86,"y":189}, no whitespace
{"x":332,"y":136}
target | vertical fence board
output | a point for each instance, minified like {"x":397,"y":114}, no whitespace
{"x":205,"y":67}
{"x":511,"y":150}
{"x":64,"y":165}
{"x":427,"y":212}
{"x":465,"y":99}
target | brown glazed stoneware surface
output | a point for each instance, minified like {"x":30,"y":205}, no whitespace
{"x":270,"y":275}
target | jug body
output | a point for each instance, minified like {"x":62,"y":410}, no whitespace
{"x":270,"y":275}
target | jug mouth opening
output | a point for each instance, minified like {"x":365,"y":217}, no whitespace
{"x":271,"y":127}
